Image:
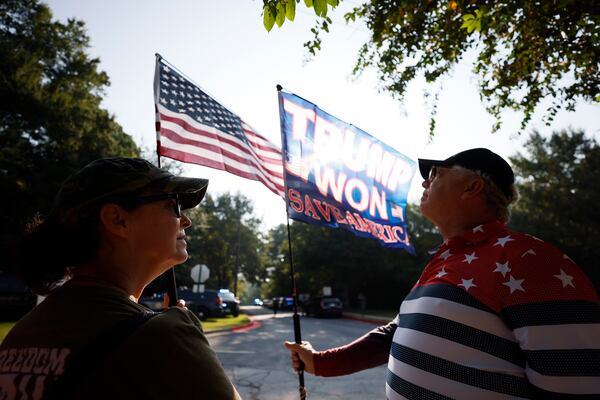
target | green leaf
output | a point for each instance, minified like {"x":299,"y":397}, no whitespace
{"x":280,"y":16}
{"x":268,"y":18}
{"x":597,"y":99}
{"x":290,"y":9}
{"x":320,"y":7}
{"x":333,"y":3}
{"x":308,"y":3}
{"x":472,"y":22}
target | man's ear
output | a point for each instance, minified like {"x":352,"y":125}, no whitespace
{"x":114,"y":219}
{"x":473,"y":188}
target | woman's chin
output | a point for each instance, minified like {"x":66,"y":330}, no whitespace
{"x":181,"y":257}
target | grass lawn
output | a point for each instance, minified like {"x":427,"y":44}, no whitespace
{"x":4,"y":328}
{"x":209,"y":325}
{"x":226,"y":322}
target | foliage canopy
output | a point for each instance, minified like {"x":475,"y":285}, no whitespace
{"x":529,"y":53}
{"x":557,"y":180}
{"x":51,"y":122}
{"x":225,"y":236}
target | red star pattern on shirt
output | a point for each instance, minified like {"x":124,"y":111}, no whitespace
{"x":502,"y":268}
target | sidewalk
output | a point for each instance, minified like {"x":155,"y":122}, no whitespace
{"x":374,"y":319}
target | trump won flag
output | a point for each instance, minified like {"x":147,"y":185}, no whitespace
{"x":340,"y":176}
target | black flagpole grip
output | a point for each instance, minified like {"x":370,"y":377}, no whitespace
{"x":298,"y":340}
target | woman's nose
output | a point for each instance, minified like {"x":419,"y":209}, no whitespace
{"x":425,"y":183}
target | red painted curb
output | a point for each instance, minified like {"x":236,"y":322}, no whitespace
{"x":247,"y":327}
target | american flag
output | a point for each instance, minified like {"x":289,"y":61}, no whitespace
{"x":194,"y":128}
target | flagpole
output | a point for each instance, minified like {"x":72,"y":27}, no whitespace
{"x":168,"y":277}
{"x":296,"y":316}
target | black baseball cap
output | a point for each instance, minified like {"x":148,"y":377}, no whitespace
{"x":479,"y":159}
{"x":110,"y":179}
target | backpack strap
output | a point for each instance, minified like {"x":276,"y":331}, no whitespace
{"x":86,"y":361}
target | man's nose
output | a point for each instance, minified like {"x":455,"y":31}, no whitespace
{"x":185,"y":221}
{"x":425,"y":183}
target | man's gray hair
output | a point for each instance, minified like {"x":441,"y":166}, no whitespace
{"x":496,"y":199}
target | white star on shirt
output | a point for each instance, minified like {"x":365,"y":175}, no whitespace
{"x":467,"y":283}
{"x":566,"y":280}
{"x":535,"y":238}
{"x":441,"y":273}
{"x":445,"y":254}
{"x":502,"y":268}
{"x":503,"y":240}
{"x":566,"y":257}
{"x":514,"y":284}
{"x":530,"y":251}
{"x":470,"y":257}
{"x":478,"y":228}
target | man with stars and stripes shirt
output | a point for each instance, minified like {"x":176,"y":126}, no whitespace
{"x":496,"y":314}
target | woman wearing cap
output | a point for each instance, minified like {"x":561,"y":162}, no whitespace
{"x":114,"y":227}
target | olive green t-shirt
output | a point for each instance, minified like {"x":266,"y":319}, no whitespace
{"x":168,"y":357}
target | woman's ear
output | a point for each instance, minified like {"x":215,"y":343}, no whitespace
{"x":114,"y":219}
{"x":473,"y":188}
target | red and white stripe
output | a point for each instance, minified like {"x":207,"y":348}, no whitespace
{"x":184,"y":139}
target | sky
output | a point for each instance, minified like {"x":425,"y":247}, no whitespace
{"x":224,"y":48}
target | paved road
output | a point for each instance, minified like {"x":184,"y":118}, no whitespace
{"x":259,"y":365}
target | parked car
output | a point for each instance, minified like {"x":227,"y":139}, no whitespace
{"x":276,"y":303}
{"x":154,"y":301}
{"x":267,"y":303}
{"x":323,"y":306}
{"x":15,"y":298}
{"x":232,"y":303}
{"x":286,"y":303}
{"x":204,"y":305}
{"x":210,"y":303}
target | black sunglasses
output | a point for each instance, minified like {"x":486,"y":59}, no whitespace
{"x":432,"y":173}
{"x":141,"y":200}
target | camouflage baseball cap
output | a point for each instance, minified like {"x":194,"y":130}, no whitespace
{"x":111,"y":179}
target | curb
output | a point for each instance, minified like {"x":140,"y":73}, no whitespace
{"x":247,"y":327}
